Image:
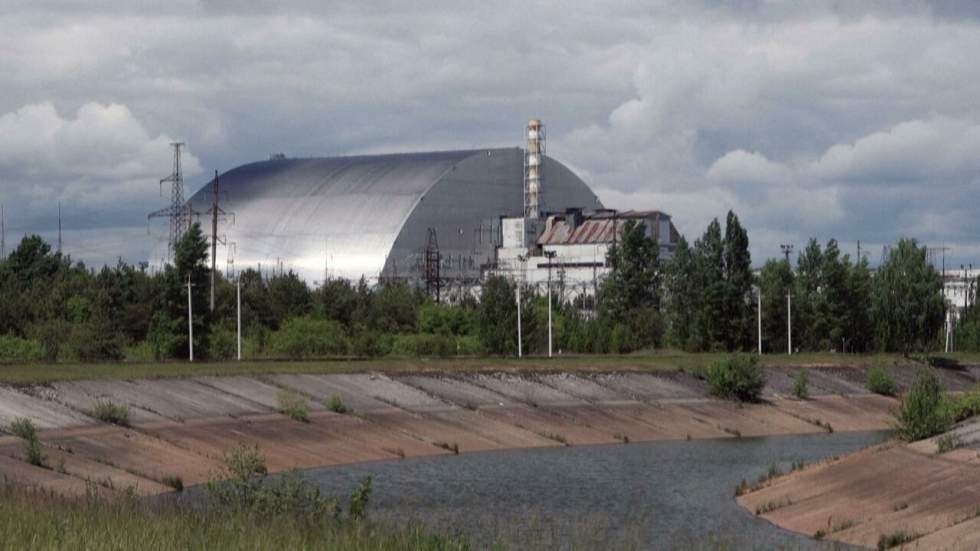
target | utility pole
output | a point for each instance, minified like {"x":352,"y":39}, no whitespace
{"x":787,"y":250}
{"x":3,"y":234}
{"x":238,"y":289}
{"x":190,"y":320}
{"x":550,"y":255}
{"x":789,"y":322}
{"x":59,"y":228}
{"x":758,"y":297}
{"x":517,"y":294}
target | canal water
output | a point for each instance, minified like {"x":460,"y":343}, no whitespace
{"x":657,"y":495}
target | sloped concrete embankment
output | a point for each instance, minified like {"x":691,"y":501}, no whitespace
{"x":932,"y":498}
{"x":181,"y":427}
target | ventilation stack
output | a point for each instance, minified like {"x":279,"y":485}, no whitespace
{"x":533,"y":163}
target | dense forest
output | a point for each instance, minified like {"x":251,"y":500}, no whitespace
{"x":702,"y":299}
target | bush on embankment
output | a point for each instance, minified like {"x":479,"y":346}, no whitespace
{"x":17,"y":350}
{"x":737,"y":377}
{"x":922,"y":414}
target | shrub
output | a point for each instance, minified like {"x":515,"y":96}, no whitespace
{"x":880,"y":382}
{"x":13,"y":349}
{"x":305,"y":337}
{"x":242,"y":485}
{"x":887,"y":541}
{"x":33,"y":451}
{"x":175,"y":482}
{"x":948,"y":442}
{"x":370,"y":344}
{"x":423,"y":346}
{"x":110,"y":412}
{"x":801,"y":385}
{"x":359,"y":499}
{"x":737,"y":377}
{"x":336,"y":404}
{"x":223,"y":344}
{"x":921,"y":415}
{"x":23,"y":427}
{"x":962,"y":407}
{"x":293,"y":405}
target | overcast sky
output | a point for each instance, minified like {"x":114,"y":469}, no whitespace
{"x":859,"y":123}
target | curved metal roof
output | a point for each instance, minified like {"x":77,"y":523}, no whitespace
{"x":368,"y":215}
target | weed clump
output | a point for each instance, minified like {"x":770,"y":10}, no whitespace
{"x":737,"y":377}
{"x":336,"y":405}
{"x":24,"y":428}
{"x":242,"y":485}
{"x":175,"y":482}
{"x":880,"y":382}
{"x":294,"y":406}
{"x":112,"y":413}
{"x":454,"y":447}
{"x":948,"y":442}
{"x":801,"y":385}
{"x":900,"y":537}
{"x":921,"y":415}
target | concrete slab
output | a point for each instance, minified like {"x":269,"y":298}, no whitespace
{"x":390,"y":391}
{"x":181,"y":399}
{"x":652,"y":387}
{"x":254,"y":390}
{"x":323,"y":387}
{"x":524,"y":389}
{"x":457,"y":390}
{"x":582,"y":387}
{"x":45,"y":414}
{"x":83,"y":395}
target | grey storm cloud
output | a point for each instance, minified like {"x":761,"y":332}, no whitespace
{"x":853,"y":120}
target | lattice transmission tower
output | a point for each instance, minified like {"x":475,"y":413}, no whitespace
{"x":180,"y":215}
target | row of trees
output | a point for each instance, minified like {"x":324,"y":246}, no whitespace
{"x":703,"y":298}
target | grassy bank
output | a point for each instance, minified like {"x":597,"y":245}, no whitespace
{"x":30,"y":520}
{"x":39,"y":373}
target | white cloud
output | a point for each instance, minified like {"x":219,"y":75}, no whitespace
{"x":852,"y":120}
{"x":102,"y":157}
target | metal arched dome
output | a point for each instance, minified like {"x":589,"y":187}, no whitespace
{"x":370,"y":215}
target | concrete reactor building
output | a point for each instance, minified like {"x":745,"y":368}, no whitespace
{"x":434,"y":219}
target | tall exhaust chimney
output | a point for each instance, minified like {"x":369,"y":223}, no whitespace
{"x":533,"y":165}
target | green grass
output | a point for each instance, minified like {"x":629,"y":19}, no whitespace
{"x":40,"y":373}
{"x":41,"y":521}
{"x":293,"y":405}
{"x":111,"y":412}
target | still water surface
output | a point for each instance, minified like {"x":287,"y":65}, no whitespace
{"x":657,"y":495}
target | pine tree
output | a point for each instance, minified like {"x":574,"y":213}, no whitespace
{"x":683,"y":296}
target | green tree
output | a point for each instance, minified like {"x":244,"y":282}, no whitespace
{"x":907,"y":301}
{"x":775,"y":281}
{"x":630,"y":295}
{"x":736,"y":313}
{"x":709,"y":329}
{"x":170,"y":329}
{"x":682,"y":297}
{"x":498,"y":317}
